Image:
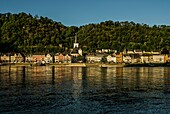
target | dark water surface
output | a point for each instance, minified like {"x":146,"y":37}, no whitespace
{"x":84,"y":90}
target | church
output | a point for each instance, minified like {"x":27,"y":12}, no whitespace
{"x":76,"y":50}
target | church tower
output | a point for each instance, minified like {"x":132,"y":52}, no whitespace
{"x":76,"y":51}
{"x":76,"y":45}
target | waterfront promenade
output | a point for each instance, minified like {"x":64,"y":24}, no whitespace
{"x":69,"y":65}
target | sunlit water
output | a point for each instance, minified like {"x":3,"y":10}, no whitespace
{"x":84,"y":90}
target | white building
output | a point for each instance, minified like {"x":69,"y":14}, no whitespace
{"x":130,"y":52}
{"x":158,"y":58}
{"x":105,"y":50}
{"x":111,"y":59}
{"x":80,"y":51}
{"x":94,"y":58}
{"x":48,"y":58}
{"x":146,"y":59}
{"x":127,"y":59}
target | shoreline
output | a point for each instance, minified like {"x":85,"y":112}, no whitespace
{"x":91,"y":65}
{"x":66,"y":65}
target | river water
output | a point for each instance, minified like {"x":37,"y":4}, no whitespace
{"x":84,"y":90}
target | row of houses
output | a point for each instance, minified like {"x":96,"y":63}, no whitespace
{"x":123,"y":57}
{"x":48,"y":58}
{"x":90,"y":58}
{"x":130,"y":58}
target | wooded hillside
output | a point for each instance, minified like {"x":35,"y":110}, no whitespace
{"x":33,"y":34}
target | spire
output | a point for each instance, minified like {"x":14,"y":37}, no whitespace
{"x":75,"y":43}
{"x":76,"y":38}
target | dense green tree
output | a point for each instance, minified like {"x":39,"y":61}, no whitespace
{"x":36,"y":34}
{"x":104,"y":59}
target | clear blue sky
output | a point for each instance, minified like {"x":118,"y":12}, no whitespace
{"x":81,"y":12}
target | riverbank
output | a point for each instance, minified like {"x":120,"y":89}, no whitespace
{"x":148,"y":65}
{"x":91,"y":65}
{"x":66,"y":65}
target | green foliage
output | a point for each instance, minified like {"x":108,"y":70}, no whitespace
{"x":80,"y":58}
{"x":104,"y":59}
{"x":28,"y":34}
{"x":25,"y":33}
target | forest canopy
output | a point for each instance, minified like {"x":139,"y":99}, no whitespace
{"x":33,"y":34}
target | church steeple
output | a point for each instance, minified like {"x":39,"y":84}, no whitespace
{"x":75,"y":38}
{"x":76,"y":45}
{"x":76,"y":51}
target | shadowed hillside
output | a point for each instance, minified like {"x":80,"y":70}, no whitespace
{"x":26,"y":33}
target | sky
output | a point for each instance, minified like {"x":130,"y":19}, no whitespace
{"x":82,"y":12}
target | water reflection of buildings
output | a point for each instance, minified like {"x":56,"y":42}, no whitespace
{"x":53,"y":75}
{"x":155,"y":78}
{"x":138,"y":78}
{"x":80,"y":78}
{"x":25,"y":74}
{"x":11,"y":74}
{"x":103,"y":77}
{"x":76,"y":73}
{"x":167,"y":80}
{"x":94,"y":76}
{"x":84,"y":79}
{"x":62,"y":74}
{"x":119,"y":78}
{"x":39,"y":75}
